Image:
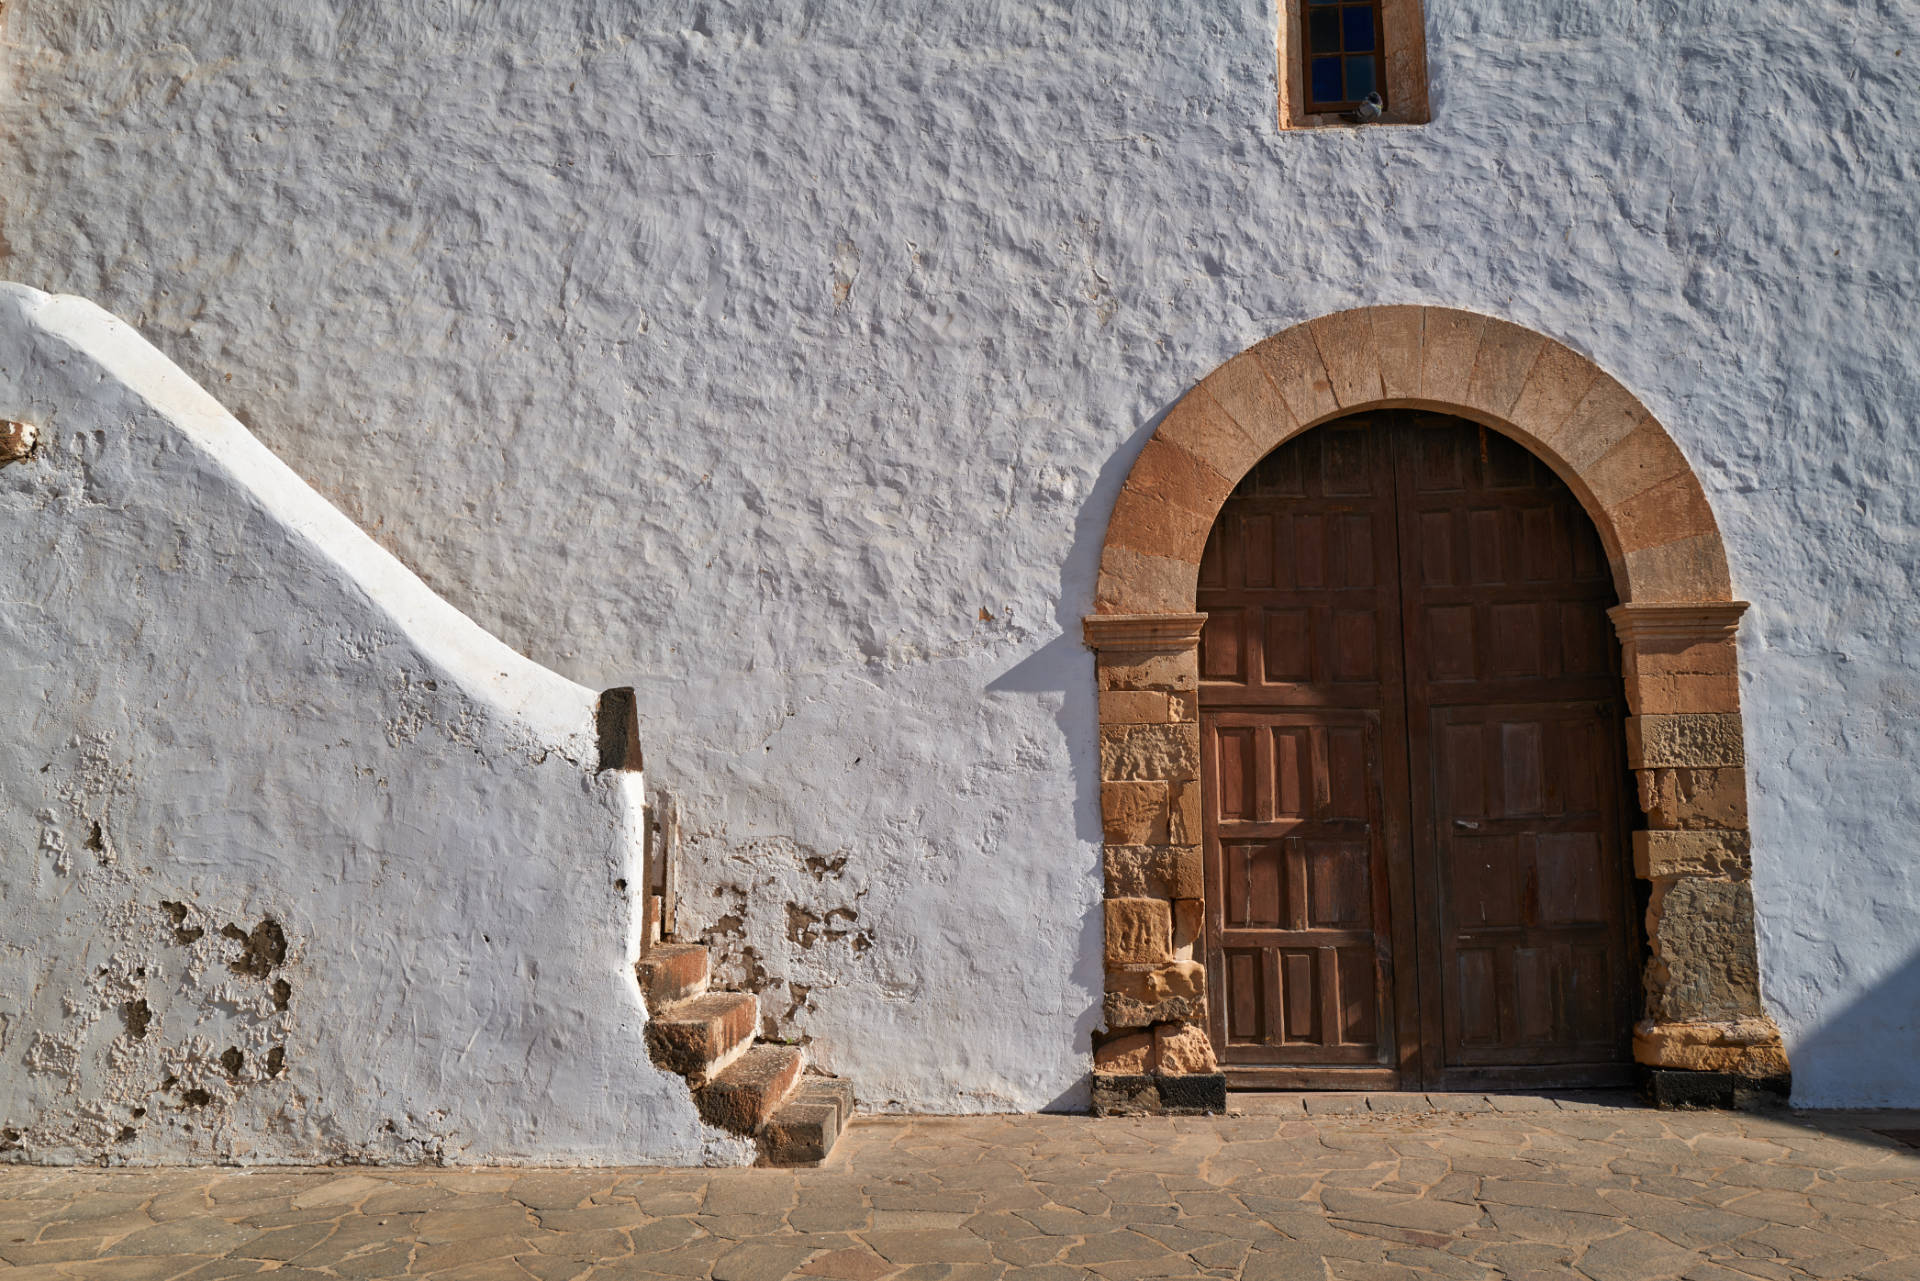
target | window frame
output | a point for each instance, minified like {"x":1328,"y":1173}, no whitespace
{"x":1402,"y":39}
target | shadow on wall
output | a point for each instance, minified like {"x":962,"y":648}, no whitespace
{"x":1065,"y":665}
{"x":1867,"y":1055}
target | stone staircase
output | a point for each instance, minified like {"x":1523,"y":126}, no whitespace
{"x":750,"y":1088}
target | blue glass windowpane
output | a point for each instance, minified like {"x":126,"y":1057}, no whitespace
{"x":1358,"y":25}
{"x":1359,"y":78}
{"x":1324,"y":31}
{"x":1326,"y":78}
{"x":1323,"y":1}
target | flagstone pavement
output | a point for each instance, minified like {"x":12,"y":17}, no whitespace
{"x":1369,"y":1188}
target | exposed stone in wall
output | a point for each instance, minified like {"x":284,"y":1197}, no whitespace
{"x":17,"y":441}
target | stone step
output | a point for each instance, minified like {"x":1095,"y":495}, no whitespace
{"x":670,"y":972}
{"x":804,"y":1128}
{"x":701,"y":1036}
{"x":741,"y":1098}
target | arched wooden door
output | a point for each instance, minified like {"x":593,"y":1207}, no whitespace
{"x":1412,"y":757}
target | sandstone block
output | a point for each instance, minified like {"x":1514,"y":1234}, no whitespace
{"x":1560,"y":377}
{"x":1183,"y":707}
{"x":1673,"y":649}
{"x":1122,"y":1011}
{"x":1689,"y":798}
{"x":1350,"y":354}
{"x":1231,"y":413}
{"x":1397,"y":337}
{"x":1689,"y":569}
{"x":1189,"y":917}
{"x":1134,"y":813}
{"x":1166,"y":752}
{"x":1703,"y":967}
{"x":1150,"y":524}
{"x":1604,"y":416}
{"x":1501,"y":366}
{"x":1154,"y":871}
{"x":1183,"y":814}
{"x":1665,"y":512}
{"x":1748,"y":1047}
{"x":1134,"y":707}
{"x":1643,"y":458}
{"x":1451,"y":341}
{"x":1130,"y":1052}
{"x":1292,"y":360}
{"x":1166,"y":473}
{"x":1182,"y":1049}
{"x":1655,"y":694}
{"x":1171,"y":670}
{"x":1125,"y":1094}
{"x":1150,"y":985}
{"x":1136,"y":582}
{"x":743,"y":1096}
{"x":1659,"y":853}
{"x":1139,"y":931}
{"x":1676,"y":739}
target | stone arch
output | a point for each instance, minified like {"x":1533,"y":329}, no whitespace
{"x":1706,"y":1034}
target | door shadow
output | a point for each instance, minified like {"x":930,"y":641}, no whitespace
{"x":1064,"y":666}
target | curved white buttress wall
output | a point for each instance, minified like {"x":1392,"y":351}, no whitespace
{"x":297,"y":863}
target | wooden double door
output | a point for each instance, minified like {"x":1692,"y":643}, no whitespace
{"x":1412,"y":756}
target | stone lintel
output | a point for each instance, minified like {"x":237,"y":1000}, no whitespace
{"x":1156,"y":633}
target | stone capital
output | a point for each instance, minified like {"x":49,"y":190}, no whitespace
{"x":1677,"y":625}
{"x":1152,"y":633}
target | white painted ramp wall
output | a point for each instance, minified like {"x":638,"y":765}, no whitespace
{"x":299,"y":863}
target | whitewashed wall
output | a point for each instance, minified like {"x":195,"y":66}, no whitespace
{"x":300,"y":864}
{"x":783,"y":360}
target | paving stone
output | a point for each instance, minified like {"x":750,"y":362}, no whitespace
{"x":952,"y":1246}
{"x":1399,"y":1211}
{"x":759,"y":1263}
{"x":855,"y":1263}
{"x":1551,"y":1196}
{"x":1635,"y":1256}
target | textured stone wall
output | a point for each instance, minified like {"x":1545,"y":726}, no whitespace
{"x":784,"y":361}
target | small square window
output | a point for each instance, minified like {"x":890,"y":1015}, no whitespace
{"x":1333,"y":53}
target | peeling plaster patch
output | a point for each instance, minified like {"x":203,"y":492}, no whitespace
{"x":781,"y":890}
{"x":17,"y":441}
{"x":261,"y":949}
{"x":183,"y":934}
{"x":138,"y":1017}
{"x":158,"y":974}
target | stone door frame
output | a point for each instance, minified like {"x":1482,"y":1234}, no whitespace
{"x":1706,"y":1036}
